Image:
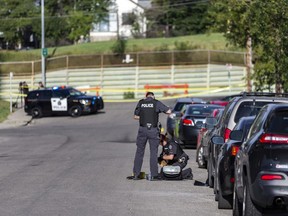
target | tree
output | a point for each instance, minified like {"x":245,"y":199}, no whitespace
{"x":266,"y":22}
{"x":178,"y":17}
{"x":15,"y":20}
{"x":64,"y":19}
{"x":75,"y":16}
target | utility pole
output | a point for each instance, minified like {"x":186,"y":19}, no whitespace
{"x":249,"y":56}
{"x":44,"y":51}
{"x":249,"y":62}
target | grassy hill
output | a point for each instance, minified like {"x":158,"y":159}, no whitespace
{"x":206,"y":41}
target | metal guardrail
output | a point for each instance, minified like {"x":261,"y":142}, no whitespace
{"x":113,"y":83}
{"x":117,"y":75}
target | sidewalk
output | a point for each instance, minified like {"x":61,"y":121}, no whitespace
{"x":16,"y":119}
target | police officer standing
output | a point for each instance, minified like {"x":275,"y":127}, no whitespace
{"x":147,"y":112}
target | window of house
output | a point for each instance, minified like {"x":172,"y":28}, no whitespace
{"x":102,"y":26}
{"x":128,"y":18}
{"x":109,"y":24}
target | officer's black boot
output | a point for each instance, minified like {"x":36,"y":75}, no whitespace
{"x":133,"y":177}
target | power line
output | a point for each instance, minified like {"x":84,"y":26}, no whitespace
{"x":181,"y":4}
{"x":46,"y":17}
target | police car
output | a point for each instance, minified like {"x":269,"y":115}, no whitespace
{"x":61,"y":100}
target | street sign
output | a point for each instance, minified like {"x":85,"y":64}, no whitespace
{"x":45,"y":52}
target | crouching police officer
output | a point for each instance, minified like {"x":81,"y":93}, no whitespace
{"x":147,"y":112}
{"x":174,"y":156}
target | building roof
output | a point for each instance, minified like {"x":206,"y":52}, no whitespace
{"x":142,"y":3}
{"x":145,"y":3}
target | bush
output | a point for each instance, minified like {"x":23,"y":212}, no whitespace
{"x":129,"y":95}
{"x":119,"y":46}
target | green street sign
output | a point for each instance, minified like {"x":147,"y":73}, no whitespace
{"x":45,"y":52}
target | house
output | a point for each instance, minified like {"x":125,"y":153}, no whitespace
{"x":126,"y":19}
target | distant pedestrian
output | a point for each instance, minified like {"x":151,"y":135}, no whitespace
{"x":25,"y":88}
{"x":147,"y":112}
{"x":40,"y":85}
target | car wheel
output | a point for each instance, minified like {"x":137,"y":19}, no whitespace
{"x":200,"y":158}
{"x":210,"y":178}
{"x":75,"y":111}
{"x":248,"y":206}
{"x":224,"y":202}
{"x":36,"y":112}
{"x":237,"y":205}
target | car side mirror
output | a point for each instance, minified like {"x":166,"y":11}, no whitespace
{"x":236,"y":135}
{"x":217,"y":140}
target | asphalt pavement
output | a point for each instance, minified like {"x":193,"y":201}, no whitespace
{"x":78,"y":166}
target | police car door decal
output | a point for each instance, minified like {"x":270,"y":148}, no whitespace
{"x":59,"y":104}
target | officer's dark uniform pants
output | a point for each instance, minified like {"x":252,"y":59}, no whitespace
{"x":144,"y":135}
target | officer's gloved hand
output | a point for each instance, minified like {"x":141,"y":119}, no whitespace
{"x":163,"y":163}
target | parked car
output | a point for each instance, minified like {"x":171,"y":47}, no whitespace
{"x":170,"y":125}
{"x":224,"y":173}
{"x":189,"y":122}
{"x":204,"y":133}
{"x":61,"y":100}
{"x":224,"y":101}
{"x":248,"y":104}
{"x":261,"y":165}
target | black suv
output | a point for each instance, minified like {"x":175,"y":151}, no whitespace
{"x":261,"y":165}
{"x":224,"y":174}
{"x":61,"y":100}
{"x":248,"y":104}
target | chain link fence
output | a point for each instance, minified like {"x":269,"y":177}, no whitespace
{"x":141,"y":59}
{"x":117,"y":75}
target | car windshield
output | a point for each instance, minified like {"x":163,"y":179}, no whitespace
{"x":249,"y":108}
{"x":178,"y":107}
{"x":74,"y":92}
{"x":200,"y":110}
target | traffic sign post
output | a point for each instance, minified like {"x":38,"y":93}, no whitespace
{"x":45,"y":52}
{"x":10,"y":81}
{"x":229,"y":67}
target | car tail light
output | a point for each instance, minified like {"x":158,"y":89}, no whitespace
{"x":226,"y":134}
{"x":274,"y":139}
{"x":234,"y":150}
{"x":188,"y":122}
{"x":232,"y":180}
{"x":270,"y":177}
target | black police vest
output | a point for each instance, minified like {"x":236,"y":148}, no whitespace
{"x":148,"y":114}
{"x":179,"y":150}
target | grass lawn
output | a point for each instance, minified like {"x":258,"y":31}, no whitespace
{"x":4,"y":110}
{"x":215,"y":41}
